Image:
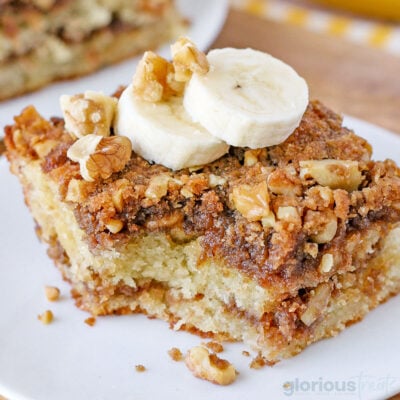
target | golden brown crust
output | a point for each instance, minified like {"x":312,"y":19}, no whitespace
{"x":192,"y":206}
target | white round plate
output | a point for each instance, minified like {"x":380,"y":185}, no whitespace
{"x":70,"y":360}
{"x":206,"y":19}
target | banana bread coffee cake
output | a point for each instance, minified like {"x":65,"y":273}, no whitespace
{"x":278,"y":245}
{"x":46,"y":40}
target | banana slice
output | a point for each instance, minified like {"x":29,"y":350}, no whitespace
{"x":164,"y":133}
{"x":248,"y":98}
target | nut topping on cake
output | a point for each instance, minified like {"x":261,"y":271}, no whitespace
{"x":154,"y":79}
{"x":88,"y":113}
{"x":188,"y":59}
{"x":336,"y":174}
{"x":252,"y":202}
{"x":99,"y":156}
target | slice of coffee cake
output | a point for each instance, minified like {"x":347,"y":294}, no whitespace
{"x":278,"y":246}
{"x":47,"y":40}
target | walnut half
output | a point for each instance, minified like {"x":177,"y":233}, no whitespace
{"x":99,"y":157}
{"x":88,"y":113}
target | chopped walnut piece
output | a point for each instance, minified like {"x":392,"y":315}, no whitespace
{"x":154,"y":79}
{"x":284,"y":181}
{"x":252,"y":201}
{"x":175,"y":354}
{"x":114,"y":225}
{"x":117,"y":194}
{"x":321,"y":225}
{"x":158,"y":187}
{"x":90,"y":321}
{"x":215,"y":180}
{"x":326,"y":263}
{"x":186,"y":192}
{"x":188,"y":59}
{"x":214,"y":346}
{"x":317,"y":303}
{"x":52,"y":293}
{"x":311,"y":249}
{"x":76,"y":191}
{"x":43,"y":148}
{"x":99,"y":157}
{"x":46,"y":317}
{"x":336,"y":174}
{"x":253,"y":156}
{"x":19,"y":140}
{"x":140,"y":368}
{"x":210,"y":367}
{"x":167,"y":221}
{"x":289,"y":213}
{"x":268,"y":221}
{"x":88,"y":113}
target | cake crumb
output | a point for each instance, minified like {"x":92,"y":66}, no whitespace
{"x":140,"y":368}
{"x":52,"y":293}
{"x":210,"y":367}
{"x":260,"y":362}
{"x":2,"y":147}
{"x":90,"y":321}
{"x":175,"y":354}
{"x":214,"y":346}
{"x":46,"y":317}
{"x":246,"y":353}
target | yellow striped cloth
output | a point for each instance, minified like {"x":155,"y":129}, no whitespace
{"x":385,"y":36}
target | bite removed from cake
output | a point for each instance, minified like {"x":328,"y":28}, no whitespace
{"x":277,"y":246}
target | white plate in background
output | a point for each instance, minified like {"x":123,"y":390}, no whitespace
{"x":70,"y":360}
{"x":206,"y":20}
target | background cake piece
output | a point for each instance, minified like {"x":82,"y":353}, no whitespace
{"x":46,"y":40}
